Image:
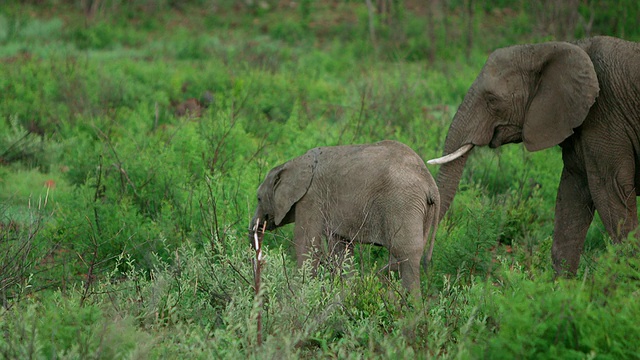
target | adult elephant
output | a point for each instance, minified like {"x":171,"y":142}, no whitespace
{"x":583,"y":96}
{"x":378,"y":193}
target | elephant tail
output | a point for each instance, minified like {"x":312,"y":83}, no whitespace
{"x":431,"y":227}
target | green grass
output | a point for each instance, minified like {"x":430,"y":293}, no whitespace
{"x":124,"y":227}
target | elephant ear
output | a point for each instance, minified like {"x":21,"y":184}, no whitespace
{"x":567,"y":88}
{"x":291,"y":184}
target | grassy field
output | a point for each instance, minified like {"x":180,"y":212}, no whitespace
{"x":134,"y":135}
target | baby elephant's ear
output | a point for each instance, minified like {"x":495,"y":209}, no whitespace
{"x":292,"y":183}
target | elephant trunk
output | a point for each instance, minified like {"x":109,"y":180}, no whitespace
{"x":462,"y":136}
{"x":448,"y":179}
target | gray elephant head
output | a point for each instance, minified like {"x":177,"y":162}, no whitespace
{"x":282,"y":188}
{"x":535,"y":94}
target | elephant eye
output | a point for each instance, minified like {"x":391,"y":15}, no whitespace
{"x":493,"y":102}
{"x":259,"y":199}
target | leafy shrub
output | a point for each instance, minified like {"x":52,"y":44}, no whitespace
{"x":467,"y":248}
{"x":289,"y":31}
{"x":193,"y":47}
{"x":59,"y":327}
{"x":16,"y":27}
{"x":99,"y":36}
{"x":568,"y":319}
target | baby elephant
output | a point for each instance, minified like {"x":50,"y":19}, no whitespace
{"x":378,"y":193}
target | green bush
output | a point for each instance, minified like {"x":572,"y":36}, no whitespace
{"x":99,"y":36}
{"x":289,"y":31}
{"x":58,"y":327}
{"x":568,"y":319}
{"x":467,"y":240}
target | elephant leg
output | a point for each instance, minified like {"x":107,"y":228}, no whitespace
{"x":574,"y":213}
{"x":406,"y":250}
{"x":410,"y":273}
{"x":614,"y":197}
{"x":306,"y":242}
{"x":307,"y":232}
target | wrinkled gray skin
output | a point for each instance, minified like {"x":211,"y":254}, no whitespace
{"x":378,"y":193}
{"x":583,"y":96}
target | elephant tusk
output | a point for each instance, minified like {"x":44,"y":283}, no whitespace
{"x":454,"y":155}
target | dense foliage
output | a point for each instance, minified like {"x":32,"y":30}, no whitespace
{"x":133,"y":136}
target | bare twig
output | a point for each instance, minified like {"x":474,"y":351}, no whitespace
{"x":261,"y":145}
{"x":361,"y":112}
{"x":157,"y":117}
{"x":91,"y":265}
{"x":284,"y":270}
{"x":220,"y":142}
{"x":238,"y":272}
{"x":97,"y":195}
{"x":15,"y":144}
{"x":214,"y":226}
